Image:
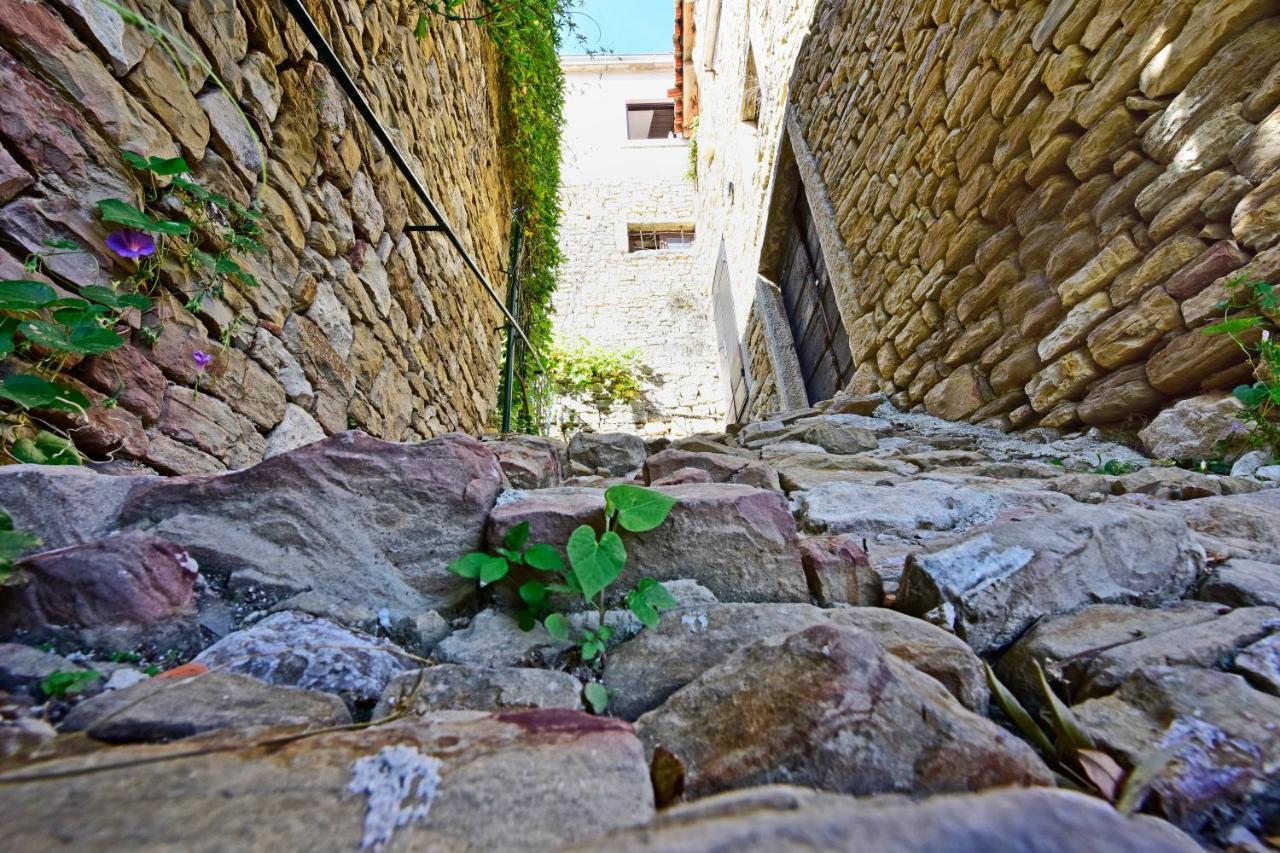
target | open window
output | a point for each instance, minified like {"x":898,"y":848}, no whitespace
{"x":651,"y":120}
{"x":648,"y":238}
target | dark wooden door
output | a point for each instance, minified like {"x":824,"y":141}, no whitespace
{"x":732,"y":357}
{"x":821,"y":341}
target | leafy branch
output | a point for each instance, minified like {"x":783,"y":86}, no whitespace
{"x":1254,"y":333}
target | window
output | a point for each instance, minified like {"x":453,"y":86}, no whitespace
{"x":651,"y":121}
{"x":646,"y":238}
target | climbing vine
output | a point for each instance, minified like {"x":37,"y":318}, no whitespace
{"x":527,"y":35}
{"x":1250,"y":312}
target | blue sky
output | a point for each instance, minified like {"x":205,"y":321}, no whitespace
{"x":624,"y":26}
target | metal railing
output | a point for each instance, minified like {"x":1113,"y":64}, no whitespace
{"x":334,"y":64}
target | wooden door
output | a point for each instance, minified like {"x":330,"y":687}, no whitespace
{"x":733,"y":361}
{"x":822,"y":344}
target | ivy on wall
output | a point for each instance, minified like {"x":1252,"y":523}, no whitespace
{"x":527,"y":36}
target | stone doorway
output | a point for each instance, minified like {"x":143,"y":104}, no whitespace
{"x":821,"y":343}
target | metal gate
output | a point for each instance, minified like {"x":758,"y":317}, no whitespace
{"x":822,"y":344}
{"x":733,"y":361}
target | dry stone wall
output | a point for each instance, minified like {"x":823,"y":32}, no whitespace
{"x":354,"y":322}
{"x":1043,"y":201}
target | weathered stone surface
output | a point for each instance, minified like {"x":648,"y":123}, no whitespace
{"x":992,"y":583}
{"x":738,"y":541}
{"x":296,"y":429}
{"x":1260,"y":663}
{"x":719,"y":467}
{"x":302,"y":520}
{"x":1197,"y":428}
{"x":251,"y":791}
{"x":1242,"y":526}
{"x":294,"y":649}
{"x":1130,"y":334}
{"x":1064,"y":379}
{"x":1256,"y":220}
{"x":828,"y":708}
{"x":1066,"y":645}
{"x":1218,"y":728}
{"x":1191,"y":357}
{"x":956,"y":397}
{"x":23,"y":668}
{"x":642,"y":672}
{"x":761,"y":820}
{"x":170,"y":709}
{"x":1217,"y":261}
{"x":1232,"y":73}
{"x":1243,"y":583}
{"x":1076,"y":326}
{"x":910,"y":511}
{"x":1207,"y":644}
{"x":448,"y":687}
{"x":529,"y":461}
{"x":617,"y":453}
{"x":111,"y":593}
{"x":838,"y":572}
{"x":1123,"y":393}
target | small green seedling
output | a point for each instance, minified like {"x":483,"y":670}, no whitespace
{"x":596,"y":561}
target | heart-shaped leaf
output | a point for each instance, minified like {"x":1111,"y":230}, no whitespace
{"x":596,"y":563}
{"x":494,"y":570}
{"x":534,"y":594}
{"x":468,"y":566}
{"x":544,"y":558}
{"x":639,"y":509}
{"x":22,"y":295}
{"x":557,"y":626}
{"x":32,"y":392}
{"x":590,"y":649}
{"x":115,"y":210}
{"x":597,"y":696}
{"x":517,"y":536}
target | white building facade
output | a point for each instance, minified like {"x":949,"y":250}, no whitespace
{"x":629,"y":280}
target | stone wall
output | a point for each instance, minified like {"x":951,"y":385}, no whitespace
{"x":354,"y":322}
{"x":1043,"y":201}
{"x":647,"y":301}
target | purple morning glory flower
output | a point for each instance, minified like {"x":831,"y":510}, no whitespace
{"x":202,"y":359}
{"x":131,"y":244}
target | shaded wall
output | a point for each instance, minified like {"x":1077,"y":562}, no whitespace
{"x":354,"y":322}
{"x":1042,"y":202}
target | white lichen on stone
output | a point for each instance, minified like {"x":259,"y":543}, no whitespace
{"x":400,"y":783}
{"x":695,"y":621}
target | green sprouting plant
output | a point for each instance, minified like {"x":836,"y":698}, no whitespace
{"x":204,"y":241}
{"x":61,"y":684}
{"x":595,"y":561}
{"x":1116,"y":468}
{"x":692,"y":172}
{"x":50,"y":331}
{"x":1071,"y":752}
{"x":605,"y":377}
{"x":1256,"y":309}
{"x":13,"y":544}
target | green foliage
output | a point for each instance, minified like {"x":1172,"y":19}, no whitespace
{"x":1116,"y":468}
{"x":692,"y":173}
{"x":597,"y":696}
{"x":1250,"y":316}
{"x":595,"y":560}
{"x":61,"y":684}
{"x":13,"y":544}
{"x":1069,"y":749}
{"x":605,"y":377}
{"x":526,"y":34}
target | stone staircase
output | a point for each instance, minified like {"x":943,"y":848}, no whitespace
{"x":277,"y":657}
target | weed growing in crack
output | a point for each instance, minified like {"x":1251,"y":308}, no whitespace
{"x":595,"y":562}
